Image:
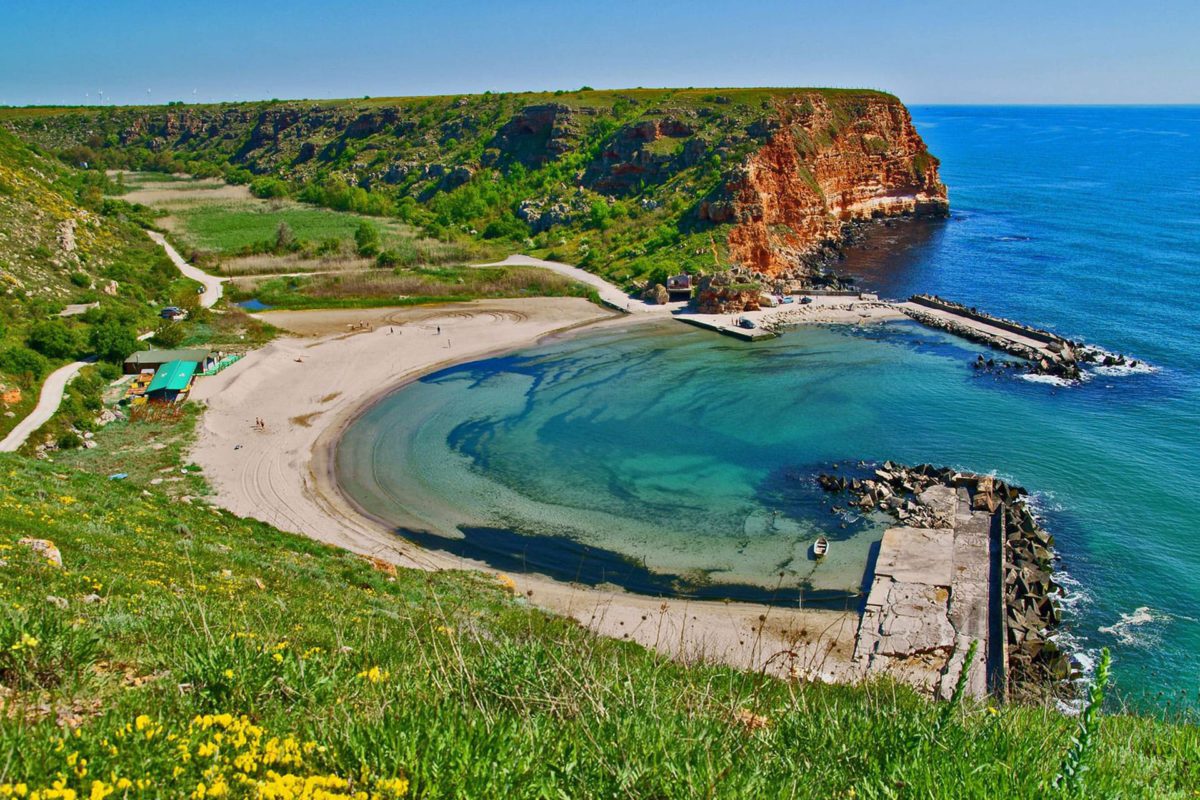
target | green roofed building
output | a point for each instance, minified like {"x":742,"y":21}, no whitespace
{"x":171,"y":380}
{"x":153,"y":359}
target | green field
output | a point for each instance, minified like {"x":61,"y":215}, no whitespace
{"x":185,"y":652}
{"x":228,"y":227}
{"x":402,"y":287}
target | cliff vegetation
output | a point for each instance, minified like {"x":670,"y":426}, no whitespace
{"x":631,"y":184}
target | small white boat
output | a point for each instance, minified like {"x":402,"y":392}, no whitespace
{"x":820,"y":547}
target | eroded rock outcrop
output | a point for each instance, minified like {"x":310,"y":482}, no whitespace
{"x":791,"y":197}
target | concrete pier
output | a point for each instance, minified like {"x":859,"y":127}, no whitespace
{"x":931,"y":595}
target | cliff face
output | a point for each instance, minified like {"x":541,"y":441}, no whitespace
{"x":793,"y":195}
{"x":626,"y":182}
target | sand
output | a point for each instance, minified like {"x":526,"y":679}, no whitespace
{"x":309,"y":385}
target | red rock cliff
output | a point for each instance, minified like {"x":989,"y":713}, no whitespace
{"x":817,"y":171}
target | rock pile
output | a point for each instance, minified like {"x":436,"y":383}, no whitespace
{"x":727,"y":293}
{"x":1035,"y":664}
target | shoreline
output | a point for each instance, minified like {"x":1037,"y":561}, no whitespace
{"x":297,"y":489}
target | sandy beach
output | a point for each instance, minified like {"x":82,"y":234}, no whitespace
{"x":308,"y":385}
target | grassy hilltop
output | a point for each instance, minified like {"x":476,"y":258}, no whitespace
{"x":179,"y":651}
{"x":616,"y":181}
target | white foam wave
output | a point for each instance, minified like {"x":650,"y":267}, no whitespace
{"x":1138,"y":628}
{"x":1142,"y":368}
{"x":1052,"y":380}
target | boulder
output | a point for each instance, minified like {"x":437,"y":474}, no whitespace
{"x":44,"y":548}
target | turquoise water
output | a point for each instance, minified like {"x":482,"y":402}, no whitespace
{"x":664,"y":458}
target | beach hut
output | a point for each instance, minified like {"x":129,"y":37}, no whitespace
{"x":172,"y":381}
{"x":154,"y":359}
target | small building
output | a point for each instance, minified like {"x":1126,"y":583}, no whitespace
{"x":679,"y":287}
{"x":153,"y":359}
{"x":172,"y":381}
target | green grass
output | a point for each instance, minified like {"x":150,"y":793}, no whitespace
{"x":145,"y":451}
{"x":445,"y":681}
{"x":229,"y":227}
{"x":410,"y":287}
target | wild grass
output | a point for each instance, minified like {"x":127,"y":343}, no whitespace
{"x":271,"y":264}
{"x":386,"y":287}
{"x":152,"y":453}
{"x":228,"y":227}
{"x":198,"y":651}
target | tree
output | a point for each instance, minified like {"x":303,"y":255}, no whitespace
{"x":285,"y":239}
{"x":367,"y":240}
{"x":53,"y":339}
{"x":113,"y":342}
{"x":169,"y":334}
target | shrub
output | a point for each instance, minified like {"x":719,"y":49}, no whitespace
{"x":506,"y":227}
{"x":169,"y":334}
{"x":80,"y":279}
{"x":53,"y":339}
{"x":285,"y":238}
{"x":22,"y":362}
{"x":70,"y":441}
{"x":112,"y":341}
{"x":268,"y":187}
{"x":366,"y":239}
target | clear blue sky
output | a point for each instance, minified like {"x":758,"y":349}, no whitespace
{"x":965,"y":51}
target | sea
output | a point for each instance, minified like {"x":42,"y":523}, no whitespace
{"x":671,"y":461}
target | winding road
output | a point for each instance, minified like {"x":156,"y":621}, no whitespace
{"x":608,"y":293}
{"x":212,"y":285}
{"x":48,"y":403}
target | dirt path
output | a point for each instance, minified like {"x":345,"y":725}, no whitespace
{"x":212,"y":285}
{"x":48,"y":402}
{"x":608,"y":292}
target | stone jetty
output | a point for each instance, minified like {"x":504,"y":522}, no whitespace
{"x":969,"y":562}
{"x":1043,"y":352}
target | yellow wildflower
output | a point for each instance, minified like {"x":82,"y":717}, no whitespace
{"x":374,"y":675}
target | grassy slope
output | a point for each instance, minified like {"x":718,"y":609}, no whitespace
{"x":446,"y":681}
{"x":649,"y":229}
{"x":38,"y":277}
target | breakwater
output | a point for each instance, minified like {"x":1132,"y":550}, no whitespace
{"x":974,"y":538}
{"x":1043,"y":352}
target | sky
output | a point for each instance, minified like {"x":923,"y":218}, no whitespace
{"x":966,"y":51}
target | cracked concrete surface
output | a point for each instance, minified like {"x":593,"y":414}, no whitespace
{"x":930,"y":598}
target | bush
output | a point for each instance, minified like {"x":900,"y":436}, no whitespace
{"x":70,"y":441}
{"x":169,"y":335}
{"x":81,"y":279}
{"x":112,"y":341}
{"x":268,"y":187}
{"x":23,"y":363}
{"x":507,"y":227}
{"x":366,"y":239}
{"x":53,"y":339}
